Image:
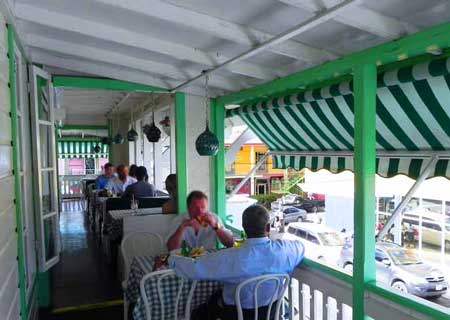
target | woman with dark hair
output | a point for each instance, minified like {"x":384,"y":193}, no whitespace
{"x":132,"y":171}
{"x":171,"y":186}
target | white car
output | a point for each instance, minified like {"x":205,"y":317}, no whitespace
{"x":321,"y":242}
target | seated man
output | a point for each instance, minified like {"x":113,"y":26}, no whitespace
{"x":258,"y":255}
{"x":118,"y":184}
{"x":171,"y":186}
{"x":141,"y":188}
{"x":102,"y":180}
{"x":200,"y":228}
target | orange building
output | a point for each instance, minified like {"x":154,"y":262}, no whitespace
{"x":265,"y":178}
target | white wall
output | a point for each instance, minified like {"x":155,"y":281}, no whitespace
{"x":9,"y":292}
{"x":339,"y":212}
{"x":198,"y":169}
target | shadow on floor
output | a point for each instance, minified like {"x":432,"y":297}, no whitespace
{"x":83,"y":275}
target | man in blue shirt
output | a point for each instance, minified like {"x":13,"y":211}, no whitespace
{"x":102,"y":180}
{"x":258,"y":255}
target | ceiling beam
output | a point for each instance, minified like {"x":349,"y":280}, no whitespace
{"x":219,"y":28}
{"x":133,"y":39}
{"x":359,"y":17}
{"x":108,"y":71}
{"x":108,"y":56}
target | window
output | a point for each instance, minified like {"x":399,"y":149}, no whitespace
{"x":313,"y":239}
{"x":301,"y":233}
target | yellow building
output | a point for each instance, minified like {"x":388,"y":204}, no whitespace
{"x":264,"y":179}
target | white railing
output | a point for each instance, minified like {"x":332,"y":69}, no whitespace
{"x":70,"y":186}
{"x":318,"y":294}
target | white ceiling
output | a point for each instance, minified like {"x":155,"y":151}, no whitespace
{"x":164,"y":43}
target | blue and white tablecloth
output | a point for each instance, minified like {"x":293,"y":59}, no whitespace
{"x":144,"y":265}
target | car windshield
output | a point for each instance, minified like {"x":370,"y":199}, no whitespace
{"x":331,"y":239}
{"x":403,"y":257}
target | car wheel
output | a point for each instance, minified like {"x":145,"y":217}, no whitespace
{"x":314,"y":209}
{"x":348,"y":268}
{"x":400,"y":286}
{"x":447,"y":245}
{"x":300,"y":219}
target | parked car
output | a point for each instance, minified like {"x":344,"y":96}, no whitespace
{"x":293,"y":214}
{"x":310,"y":205}
{"x":401,"y":269}
{"x":431,"y":226}
{"x":321,"y":242}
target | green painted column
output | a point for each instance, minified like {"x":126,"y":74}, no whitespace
{"x":217,"y":174}
{"x":364,"y":89}
{"x":15,"y":167}
{"x":180,"y":149}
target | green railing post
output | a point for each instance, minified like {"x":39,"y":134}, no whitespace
{"x":180,"y":150}
{"x":217,"y":183}
{"x":364,"y":90}
{"x":15,"y":167}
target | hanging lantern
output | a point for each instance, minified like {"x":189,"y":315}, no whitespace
{"x":118,"y":138}
{"x":97,"y":148}
{"x":132,"y":134}
{"x":151,"y":131}
{"x":106,"y":140}
{"x":207,"y":143}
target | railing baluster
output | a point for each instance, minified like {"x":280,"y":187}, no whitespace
{"x":306,"y":302}
{"x":318,"y":305}
{"x":332,"y":309}
{"x":346,"y":312}
{"x":295,"y":298}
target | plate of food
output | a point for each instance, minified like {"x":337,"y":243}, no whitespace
{"x":190,"y":252}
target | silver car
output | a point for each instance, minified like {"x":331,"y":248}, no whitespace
{"x":401,"y":269}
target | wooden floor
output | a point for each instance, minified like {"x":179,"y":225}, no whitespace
{"x":82,"y":278}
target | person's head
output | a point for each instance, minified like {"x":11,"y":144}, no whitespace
{"x":122,"y":171}
{"x":171,"y":184}
{"x":255,"y":221}
{"x":197,"y":203}
{"x":132,"y":171}
{"x":141,"y":174}
{"x":108,"y":169}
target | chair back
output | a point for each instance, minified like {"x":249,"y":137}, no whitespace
{"x":280,"y":282}
{"x":117,"y":204}
{"x":167,"y":296}
{"x":140,"y":244}
{"x":151,"y":202}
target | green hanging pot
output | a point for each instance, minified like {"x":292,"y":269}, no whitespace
{"x":97,"y":148}
{"x":118,"y":139}
{"x":132,"y":135}
{"x":207,"y":143}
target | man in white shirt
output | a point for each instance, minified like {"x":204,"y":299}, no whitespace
{"x":200,"y":227}
{"x":118,"y":184}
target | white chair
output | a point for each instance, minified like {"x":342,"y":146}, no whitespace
{"x":135,"y":245}
{"x":171,"y":291}
{"x":281,"y":282}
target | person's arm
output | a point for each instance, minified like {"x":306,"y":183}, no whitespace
{"x":225,"y":236}
{"x":217,"y":266}
{"x":175,"y":239}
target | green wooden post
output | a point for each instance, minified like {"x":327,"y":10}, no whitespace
{"x":364,"y":89}
{"x":180,"y":150}
{"x":217,"y":183}
{"x":15,"y":166}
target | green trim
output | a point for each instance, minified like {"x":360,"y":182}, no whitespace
{"x":15,"y":163}
{"x":422,"y":306}
{"x":365,"y":84}
{"x":87,"y":139}
{"x":180,"y":150}
{"x":410,"y":46}
{"x":102,"y":83}
{"x":83,"y":127}
{"x":111,"y":146}
{"x":217,"y":175}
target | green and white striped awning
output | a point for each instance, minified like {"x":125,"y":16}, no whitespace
{"x":81,"y":149}
{"x":413,"y":117}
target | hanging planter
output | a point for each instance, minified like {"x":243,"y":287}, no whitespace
{"x":132,"y":134}
{"x":207,"y":143}
{"x":97,"y":148}
{"x":106,"y":140}
{"x":118,"y":138}
{"x":151,"y":131}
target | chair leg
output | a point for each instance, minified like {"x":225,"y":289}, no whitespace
{"x":125,"y":307}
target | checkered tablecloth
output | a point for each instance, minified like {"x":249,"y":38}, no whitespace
{"x":143,"y":265}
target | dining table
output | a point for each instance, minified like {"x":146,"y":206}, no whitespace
{"x":140,"y":266}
